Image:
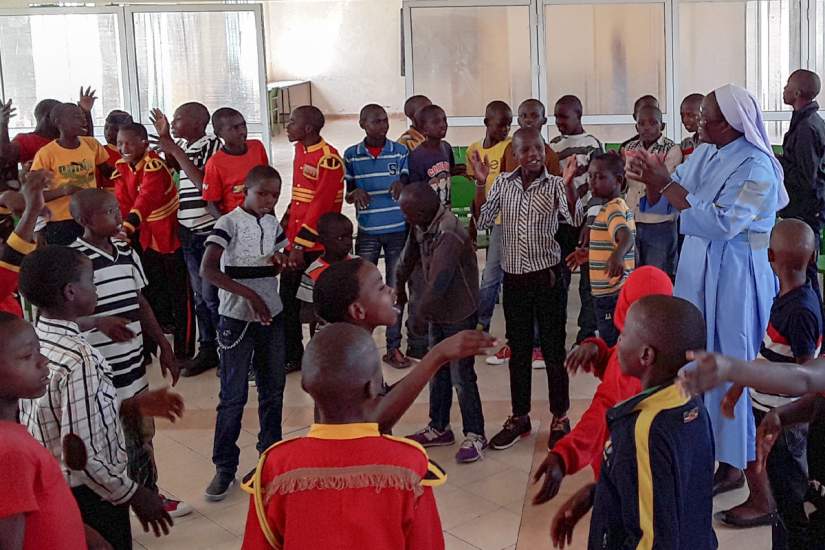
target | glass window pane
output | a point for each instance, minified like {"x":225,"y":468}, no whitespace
{"x":607,"y":54}
{"x":463,"y":58}
{"x":210,"y":57}
{"x":52,"y":56}
{"x":820,"y":38}
{"x":756,"y":52}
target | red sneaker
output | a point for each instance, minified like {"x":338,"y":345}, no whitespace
{"x":499,"y":358}
{"x":538,"y":359}
{"x":175,"y":508}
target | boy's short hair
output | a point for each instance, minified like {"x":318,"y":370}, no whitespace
{"x":411,"y":102}
{"x":197,"y":110}
{"x":336,"y":289}
{"x":44,"y":108}
{"x":426,"y":112}
{"x":219,"y":117}
{"x":369,"y":108}
{"x":674,"y":326}
{"x":573,"y":102}
{"x":136,"y":129}
{"x":692,"y":99}
{"x":534,"y":101}
{"x":641,"y":101}
{"x":86,"y":200}
{"x":650,"y":109}
{"x":260,"y":174}
{"x":611,"y":160}
{"x":45,"y":272}
{"x":118,"y":118}
{"x":329,"y":220}
{"x":497,"y":107}
{"x":58,"y":111}
{"x":808,"y":83}
{"x":312,"y":115}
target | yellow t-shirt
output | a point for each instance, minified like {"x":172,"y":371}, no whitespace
{"x":70,"y":167}
{"x":495,"y":156}
{"x":612,"y":217}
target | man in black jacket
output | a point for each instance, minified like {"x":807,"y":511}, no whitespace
{"x":803,"y":158}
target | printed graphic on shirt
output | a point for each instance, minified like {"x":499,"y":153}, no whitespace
{"x":439,"y":180}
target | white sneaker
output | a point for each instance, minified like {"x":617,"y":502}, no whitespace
{"x":501,"y":357}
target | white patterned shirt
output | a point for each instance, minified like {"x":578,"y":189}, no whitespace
{"x":529,"y":220}
{"x":80,"y":400}
{"x":192,"y":213}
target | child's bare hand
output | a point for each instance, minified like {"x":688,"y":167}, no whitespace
{"x":615,"y":265}
{"x":464,"y":344}
{"x":766,"y":435}
{"x":296,"y":260}
{"x":552,"y":469}
{"x":87,"y":99}
{"x":569,"y":171}
{"x":573,"y":510}
{"x":260,"y":309}
{"x":169,"y":364}
{"x":116,"y":328}
{"x":148,"y":507}
{"x":577,"y":258}
{"x":161,"y":124}
{"x":7,"y":112}
{"x":280,"y":261}
{"x":161,"y":403}
{"x":583,"y":358}
{"x":728,"y":404}
{"x":360,"y":198}
{"x":481,"y":167}
{"x":13,"y":200}
{"x":707,"y":371}
{"x":395,"y":190}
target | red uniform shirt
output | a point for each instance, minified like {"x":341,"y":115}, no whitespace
{"x":344,"y":487}
{"x":148,"y":201}
{"x":114,"y":156}
{"x":11,"y":254}
{"x":224,"y":175}
{"x":317,"y":188}
{"x":33,"y":485}
{"x":28,"y":145}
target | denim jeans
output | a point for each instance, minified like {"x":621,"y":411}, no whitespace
{"x":491,"y":279}
{"x":369,"y":247}
{"x":604,"y":318}
{"x":531,"y":298}
{"x":205,"y":293}
{"x":657,"y":245}
{"x":240,"y":344}
{"x":460,"y":375}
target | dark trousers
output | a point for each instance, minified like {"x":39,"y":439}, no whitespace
{"x":418,"y":343}
{"x":787,"y":469}
{"x":112,"y":522}
{"x":568,"y":238}
{"x":62,"y":233}
{"x":657,"y":244}
{"x":293,"y":333}
{"x":241,"y":344}
{"x":369,"y":247}
{"x":604,"y":318}
{"x":169,"y":295}
{"x":587,"y":314}
{"x":205,"y":295}
{"x":460,"y":375}
{"x":529,"y":298}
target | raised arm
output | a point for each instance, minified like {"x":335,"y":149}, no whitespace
{"x":172,"y":149}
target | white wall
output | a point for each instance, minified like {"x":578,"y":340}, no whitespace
{"x":349,"y":49}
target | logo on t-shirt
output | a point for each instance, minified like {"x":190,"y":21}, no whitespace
{"x":77,"y":173}
{"x":439,"y":179}
{"x":392,"y":168}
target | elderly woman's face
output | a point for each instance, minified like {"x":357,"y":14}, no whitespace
{"x":711,"y":122}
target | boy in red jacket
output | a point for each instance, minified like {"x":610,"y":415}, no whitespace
{"x":585,"y":443}
{"x":148,"y":202}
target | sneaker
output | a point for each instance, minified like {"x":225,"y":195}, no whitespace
{"x":219,"y":486}
{"x":430,"y":437}
{"x":396,"y":359}
{"x":175,"y":508}
{"x":292,"y":366}
{"x":558,"y":429}
{"x":538,"y":359}
{"x":499,"y":358}
{"x":515,"y":428}
{"x":472,"y":449}
{"x":207,"y":358}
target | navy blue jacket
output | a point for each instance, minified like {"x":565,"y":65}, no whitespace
{"x":656,"y":484}
{"x":803,"y":160}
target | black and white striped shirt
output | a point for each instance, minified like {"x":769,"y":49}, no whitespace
{"x":80,"y":400}
{"x":119,"y":279}
{"x":192,"y":213}
{"x":529,"y":220}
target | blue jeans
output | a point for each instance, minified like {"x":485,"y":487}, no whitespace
{"x":657,"y":245}
{"x":369,"y":247}
{"x":242,"y":343}
{"x":205,"y":294}
{"x":460,"y":375}
{"x":605,"y":305}
{"x":491,"y":279}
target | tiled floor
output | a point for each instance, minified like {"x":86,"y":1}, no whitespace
{"x":485,"y":505}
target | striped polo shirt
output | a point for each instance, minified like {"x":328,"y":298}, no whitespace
{"x":613,"y":216}
{"x":311,"y":275}
{"x":192,"y":212}
{"x":375,"y":175}
{"x":119,"y":279}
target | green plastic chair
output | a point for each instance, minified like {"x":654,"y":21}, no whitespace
{"x":462,"y":194}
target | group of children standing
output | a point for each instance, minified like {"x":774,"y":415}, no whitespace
{"x":125,"y":234}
